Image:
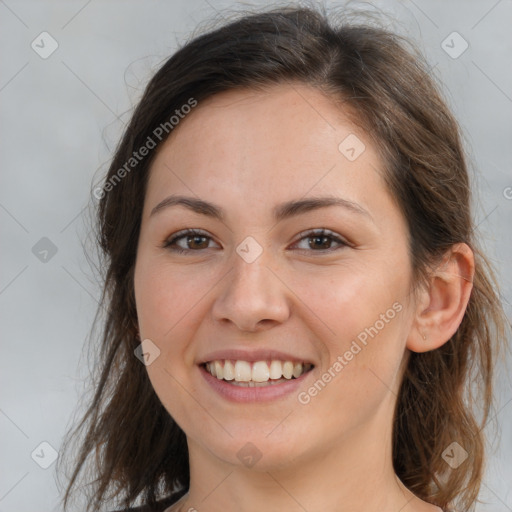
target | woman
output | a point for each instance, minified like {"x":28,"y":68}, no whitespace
{"x":296,"y":297}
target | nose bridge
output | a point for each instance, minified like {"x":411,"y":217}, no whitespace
{"x":251,"y":292}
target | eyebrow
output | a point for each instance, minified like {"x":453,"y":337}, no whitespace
{"x":280,"y":212}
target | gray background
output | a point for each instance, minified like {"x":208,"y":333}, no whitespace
{"x":62,"y":117}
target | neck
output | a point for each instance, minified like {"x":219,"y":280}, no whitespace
{"x":354,"y":475}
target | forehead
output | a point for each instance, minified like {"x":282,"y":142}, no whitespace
{"x":268,"y":116}
{"x":287,"y":140}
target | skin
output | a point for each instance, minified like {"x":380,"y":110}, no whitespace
{"x":247,"y":151}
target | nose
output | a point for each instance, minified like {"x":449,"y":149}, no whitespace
{"x":252,"y":296}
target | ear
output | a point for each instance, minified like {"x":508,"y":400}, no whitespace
{"x":441,"y":306}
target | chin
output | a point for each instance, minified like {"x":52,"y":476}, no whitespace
{"x":257,"y":451}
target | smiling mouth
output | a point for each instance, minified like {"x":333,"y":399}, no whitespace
{"x":257,"y":373}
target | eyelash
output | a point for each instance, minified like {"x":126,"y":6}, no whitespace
{"x":168,"y":244}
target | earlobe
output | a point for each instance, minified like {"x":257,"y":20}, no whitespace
{"x":442,"y":304}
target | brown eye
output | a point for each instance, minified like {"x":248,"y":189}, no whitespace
{"x":321,"y":241}
{"x":194,"y":241}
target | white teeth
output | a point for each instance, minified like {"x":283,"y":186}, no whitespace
{"x":297,"y":370}
{"x":243,"y":371}
{"x":229,"y":370}
{"x":219,"y":372}
{"x":288,"y":370}
{"x":260,"y":371}
{"x":255,"y":374}
{"x":276,"y":369}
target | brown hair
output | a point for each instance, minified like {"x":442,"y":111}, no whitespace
{"x":140,"y":452}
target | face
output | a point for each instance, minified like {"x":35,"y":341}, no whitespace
{"x":262,"y":285}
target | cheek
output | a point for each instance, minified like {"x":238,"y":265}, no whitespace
{"x":165,"y":298}
{"x":363,"y":319}
{"x":166,"y":303}
{"x":346,"y":300}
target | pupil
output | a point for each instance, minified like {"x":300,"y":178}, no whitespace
{"x":316,"y":238}
{"x":195,"y":238}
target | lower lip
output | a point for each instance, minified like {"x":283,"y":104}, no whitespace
{"x":256,"y":394}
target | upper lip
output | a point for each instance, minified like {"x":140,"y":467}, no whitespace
{"x":251,"y":356}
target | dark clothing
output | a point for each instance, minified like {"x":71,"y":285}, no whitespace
{"x":161,"y":506}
